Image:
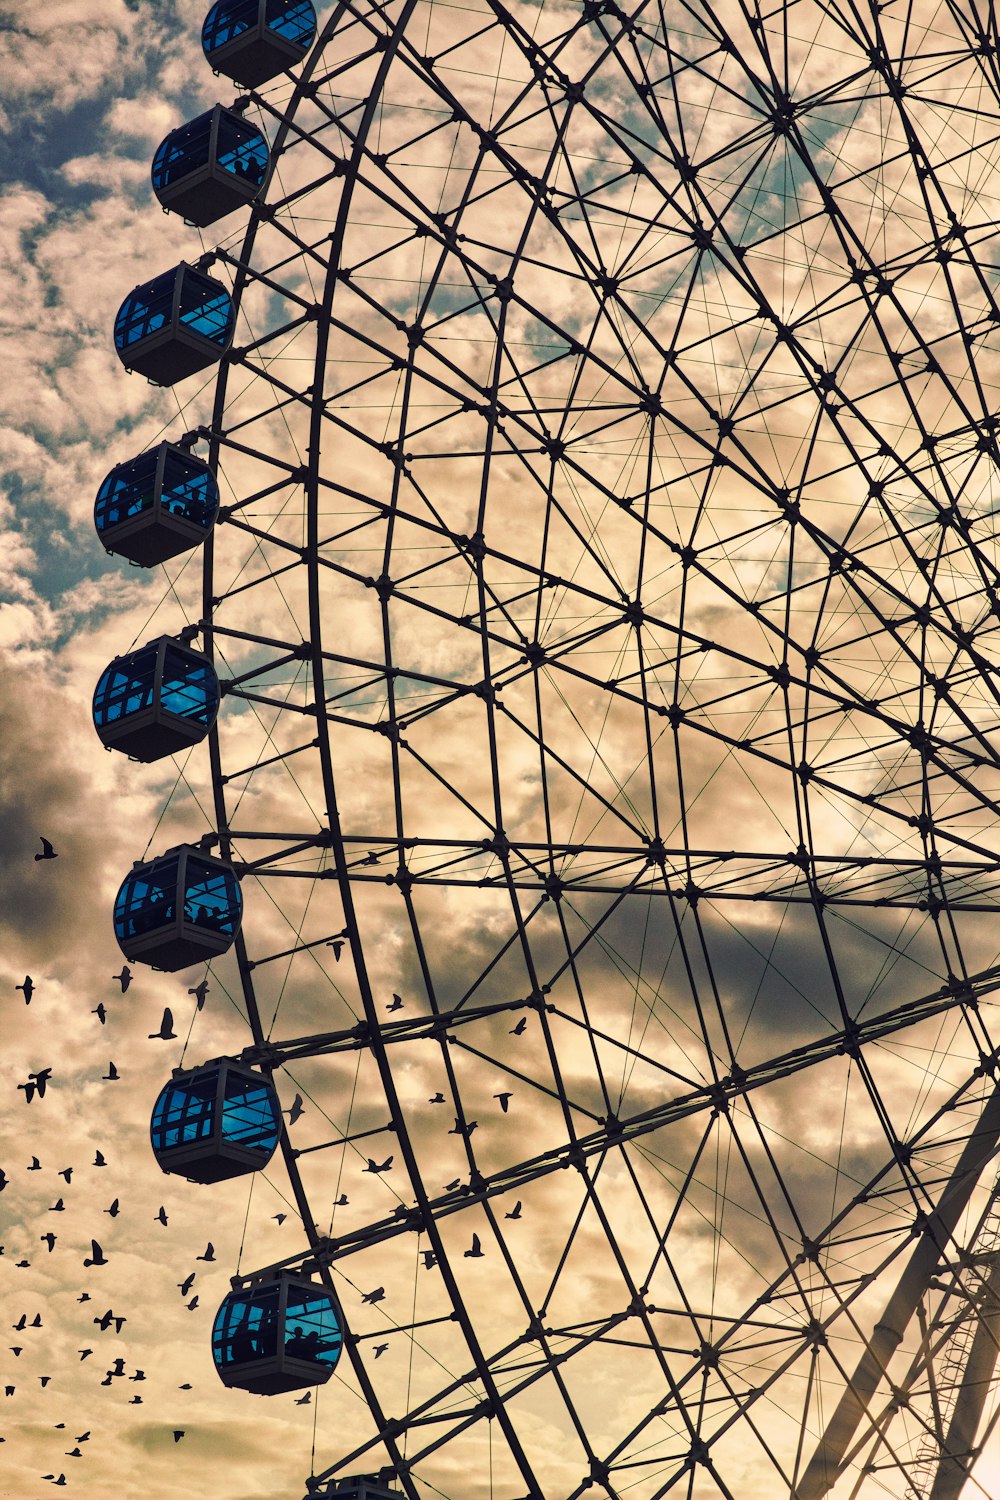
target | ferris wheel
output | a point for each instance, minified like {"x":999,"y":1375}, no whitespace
{"x":598,"y":673}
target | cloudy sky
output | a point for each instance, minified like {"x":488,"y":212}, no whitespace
{"x":609,"y":560}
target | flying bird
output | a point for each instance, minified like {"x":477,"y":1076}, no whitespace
{"x":58,"y":1207}
{"x":461,"y":1129}
{"x":96,"y":1257}
{"x":100,"y":1012}
{"x":430,"y":1259}
{"x":341,"y":1202}
{"x":114,"y":1209}
{"x":380,"y":1350}
{"x":199,"y":992}
{"x":378,"y":1295}
{"x":504,"y":1100}
{"x":179,"y":1435}
{"x":296,"y":1110}
{"x":111,"y":1076}
{"x":378,"y":1167}
{"x":124,"y":978}
{"x":209,"y":1252}
{"x":438,"y":1098}
{"x":35,"y":1166}
{"x":279,"y":1218}
{"x":27,"y":988}
{"x":187,"y":1283}
{"x":193,"y":1303}
{"x":476,"y":1252}
{"x":99,"y":1158}
{"x":47,"y":850}
{"x":518,"y":1030}
{"x":397,"y":1002}
{"x":161,"y":1217}
{"x":337,"y":945}
{"x":4,"y":1179}
{"x":304,"y":1400}
{"x":515,"y":1212}
{"x":66,"y":1173}
{"x":49,"y":1239}
{"x":36,"y":1083}
{"x":166,"y":1032}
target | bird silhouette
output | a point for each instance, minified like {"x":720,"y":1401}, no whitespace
{"x":100,"y":1012}
{"x":397,"y":1002}
{"x":84,"y":1354}
{"x":58,"y":1207}
{"x":337,"y":944}
{"x":193,"y":1303}
{"x":66,"y":1173}
{"x":199,"y":992}
{"x":504,"y":1100}
{"x":430,"y":1259}
{"x":73,"y":1453}
{"x":113,"y":1209}
{"x":97,"y":1256}
{"x":124,"y":978}
{"x":209,"y":1252}
{"x":379,"y":1350}
{"x":378,"y":1295}
{"x":21,"y":1323}
{"x":475,"y":1252}
{"x":518,"y":1030}
{"x":515,"y":1212}
{"x":4,"y":1179}
{"x":36,"y":1083}
{"x":47,"y":850}
{"x":99,"y":1157}
{"x":304,"y":1400}
{"x":27,"y":988}
{"x":279,"y":1218}
{"x":35,"y":1166}
{"x":341,"y":1202}
{"x":166,"y":1032}
{"x":461,"y":1129}
{"x":378,"y":1167}
{"x":450,"y":1187}
{"x":161,"y":1217}
{"x":187,"y":1283}
{"x":180,"y":1434}
{"x":111,"y":1076}
{"x":437,"y":1099}
{"x":296,"y":1110}
{"x":49,"y":1239}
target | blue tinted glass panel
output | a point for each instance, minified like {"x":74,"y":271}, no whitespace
{"x":147,"y":899}
{"x":184,"y":1113}
{"x":242,"y":150}
{"x":126,"y":687}
{"x":145,"y":311}
{"x":127,"y":491}
{"x":206,"y":308}
{"x":228,"y":19}
{"x":312,"y":1328}
{"x":250,"y":1115}
{"x":189,"y":490}
{"x":189,"y":687}
{"x":295,"y":20}
{"x":183,"y":151}
{"x":246,"y":1328}
{"x":212,"y":897}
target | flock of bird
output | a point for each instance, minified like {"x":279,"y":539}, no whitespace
{"x":34,"y":1088}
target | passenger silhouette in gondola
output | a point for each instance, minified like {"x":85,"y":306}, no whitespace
{"x":243,"y":1346}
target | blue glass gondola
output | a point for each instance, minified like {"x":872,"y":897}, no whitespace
{"x":157,"y":700}
{"x":180,"y":909}
{"x":280,"y":1333}
{"x":175,"y":324}
{"x":210,"y":166}
{"x":253,"y":41}
{"x":354,"y":1487}
{"x":217,"y":1121}
{"x":156,"y":505}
